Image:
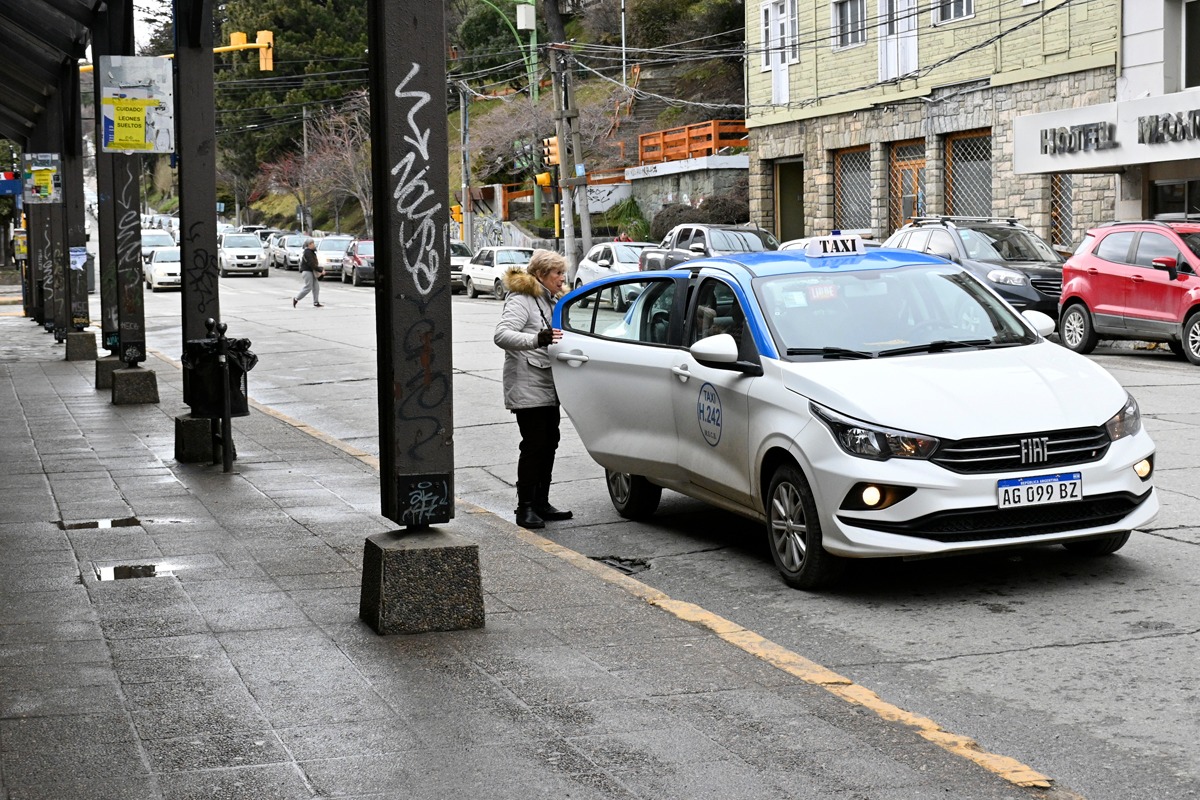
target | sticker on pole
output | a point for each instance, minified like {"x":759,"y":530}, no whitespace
{"x":137,"y":106}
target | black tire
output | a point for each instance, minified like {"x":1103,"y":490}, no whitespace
{"x":632,"y":496}
{"x":1102,"y":546}
{"x":1075,"y":329}
{"x":354,"y":279}
{"x":224,"y":273}
{"x":469,"y":288}
{"x":498,"y":291}
{"x":344,"y":276}
{"x":619,"y":301}
{"x":1191,"y":338}
{"x":1177,"y":348}
{"x":582,"y":303}
{"x":794,"y":533}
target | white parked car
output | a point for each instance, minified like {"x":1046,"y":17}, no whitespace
{"x":164,"y":269}
{"x":485,"y":271}
{"x":239,"y":254}
{"x":154,"y":239}
{"x":460,"y":254}
{"x":861,"y":403}
{"x":331,"y":251}
{"x":611,"y":258}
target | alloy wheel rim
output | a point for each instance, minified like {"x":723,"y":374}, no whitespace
{"x":789,"y":533}
{"x":1073,"y":329}
{"x":1193,"y":340}
{"x":618,"y":484}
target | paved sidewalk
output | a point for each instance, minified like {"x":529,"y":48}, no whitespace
{"x":242,"y":670}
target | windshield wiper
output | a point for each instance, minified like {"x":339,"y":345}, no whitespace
{"x":938,"y":346}
{"x":828,"y":352}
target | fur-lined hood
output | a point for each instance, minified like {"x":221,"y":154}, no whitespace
{"x":519,"y":281}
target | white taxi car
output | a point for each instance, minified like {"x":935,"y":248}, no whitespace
{"x":862,"y":403}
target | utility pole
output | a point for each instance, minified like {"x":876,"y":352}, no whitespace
{"x":304,"y":226}
{"x":566,"y":161}
{"x":464,"y":134}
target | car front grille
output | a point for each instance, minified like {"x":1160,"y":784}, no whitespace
{"x":1023,"y":451}
{"x":1051,"y":287}
{"x":984,"y":524}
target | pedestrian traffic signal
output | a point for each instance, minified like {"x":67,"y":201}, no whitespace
{"x":550,"y":150}
{"x":266,"y":55}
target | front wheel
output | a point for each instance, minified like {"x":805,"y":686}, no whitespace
{"x":354,"y":279}
{"x":498,"y":289}
{"x":632,"y":496}
{"x":794,"y":533}
{"x":1191,"y":338}
{"x":1075,"y":329}
{"x":469,"y":288}
{"x":1102,"y":546}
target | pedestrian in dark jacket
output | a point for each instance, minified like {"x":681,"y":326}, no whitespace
{"x":524,"y":332}
{"x":311,"y":272}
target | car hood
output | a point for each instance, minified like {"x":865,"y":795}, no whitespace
{"x":243,"y":251}
{"x":1034,"y":269}
{"x":1037,"y":387}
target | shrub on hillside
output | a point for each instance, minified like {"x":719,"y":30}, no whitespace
{"x":672,"y":215}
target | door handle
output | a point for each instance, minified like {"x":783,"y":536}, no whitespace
{"x":1093,"y":271}
{"x":681,"y":372}
{"x":1137,"y":278}
{"x":572,"y":358}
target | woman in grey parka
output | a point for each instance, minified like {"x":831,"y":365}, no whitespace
{"x":524,"y":332}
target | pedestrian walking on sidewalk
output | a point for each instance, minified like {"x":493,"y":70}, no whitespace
{"x":524,"y":333}
{"x":311,"y":273}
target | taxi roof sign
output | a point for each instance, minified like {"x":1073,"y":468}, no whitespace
{"x":834,"y":245}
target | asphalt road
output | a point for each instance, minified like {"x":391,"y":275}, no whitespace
{"x":1084,"y":669}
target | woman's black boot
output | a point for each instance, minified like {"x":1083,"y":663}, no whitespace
{"x":527,"y":517}
{"x":541,"y":505}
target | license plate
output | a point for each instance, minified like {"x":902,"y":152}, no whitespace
{"x":1040,"y":490}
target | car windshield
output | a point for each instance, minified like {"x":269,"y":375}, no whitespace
{"x":1005,"y":243}
{"x":870,"y":313}
{"x":460,"y":249}
{"x":154,"y":239}
{"x":1192,"y":240}
{"x":366,"y":248}
{"x":241,"y":240}
{"x":513,"y":256}
{"x":329,"y":243}
{"x":295,"y":241}
{"x":742,"y":241}
{"x":166,"y":254}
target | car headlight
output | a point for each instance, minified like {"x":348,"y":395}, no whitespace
{"x":1007,"y":277}
{"x":1125,"y":422}
{"x":873,"y":441}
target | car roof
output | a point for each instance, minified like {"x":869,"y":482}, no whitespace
{"x":1178,"y":227}
{"x":769,"y":263}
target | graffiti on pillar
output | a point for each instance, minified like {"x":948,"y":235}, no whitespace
{"x":46,"y":263}
{"x":427,"y":498}
{"x":131,"y":312}
{"x":201,"y":273}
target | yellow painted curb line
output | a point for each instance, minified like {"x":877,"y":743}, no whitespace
{"x":772,"y":653}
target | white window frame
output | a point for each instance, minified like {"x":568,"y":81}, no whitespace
{"x":856,"y":36}
{"x":769,"y":21}
{"x":967,"y":10}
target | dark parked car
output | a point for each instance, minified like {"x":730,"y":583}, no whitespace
{"x":358,"y":265}
{"x":1134,"y":280}
{"x":1017,"y":263}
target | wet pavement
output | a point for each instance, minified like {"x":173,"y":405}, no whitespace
{"x":168,"y":630}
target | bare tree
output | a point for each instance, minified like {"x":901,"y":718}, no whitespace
{"x":340,"y":156}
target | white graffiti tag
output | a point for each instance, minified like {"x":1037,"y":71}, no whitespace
{"x":418,"y":229}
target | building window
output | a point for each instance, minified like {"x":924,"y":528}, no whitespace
{"x":950,"y":10}
{"x":1191,"y":44}
{"x":906,"y":199}
{"x":969,"y":174}
{"x":1062,"y":212}
{"x":780,"y":33}
{"x":849,"y":24}
{"x":852,"y":189}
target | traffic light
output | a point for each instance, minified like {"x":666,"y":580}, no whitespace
{"x":543,"y":179}
{"x":266,"y":55}
{"x":456,"y":214}
{"x":550,"y":150}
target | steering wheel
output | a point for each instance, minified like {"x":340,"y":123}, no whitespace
{"x":659,"y":323}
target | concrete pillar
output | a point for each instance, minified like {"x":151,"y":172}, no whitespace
{"x":104,"y":370}
{"x":420,"y":582}
{"x":81,"y":346}
{"x":134,"y":386}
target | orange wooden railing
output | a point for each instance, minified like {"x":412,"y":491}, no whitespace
{"x":691,"y":141}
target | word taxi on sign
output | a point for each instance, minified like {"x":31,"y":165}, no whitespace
{"x":835,"y":244}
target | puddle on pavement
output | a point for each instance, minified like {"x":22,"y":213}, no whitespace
{"x":629,"y":566}
{"x":124,"y":522}
{"x":123,"y":572}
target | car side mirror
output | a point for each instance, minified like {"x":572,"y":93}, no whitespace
{"x":697,"y":247}
{"x":1042,"y":323}
{"x":1169,"y":264}
{"x":604,"y":263}
{"x":720,"y":351}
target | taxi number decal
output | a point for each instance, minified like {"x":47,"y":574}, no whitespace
{"x":708,"y":413}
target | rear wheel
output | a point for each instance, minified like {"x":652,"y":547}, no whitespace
{"x":1102,"y":546}
{"x":632,"y":496}
{"x":469,"y":288}
{"x":794,"y":533}
{"x":1075,"y":329}
{"x":619,"y":301}
{"x":1191,"y":338}
{"x":498,"y":289}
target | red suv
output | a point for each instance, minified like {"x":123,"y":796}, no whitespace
{"x":1134,"y":280}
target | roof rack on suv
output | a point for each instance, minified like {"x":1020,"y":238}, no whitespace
{"x":1165,"y":223}
{"x":950,"y":218}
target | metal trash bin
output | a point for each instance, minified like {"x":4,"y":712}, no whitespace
{"x":201,"y":360}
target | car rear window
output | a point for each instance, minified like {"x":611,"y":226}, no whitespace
{"x":1115,"y":247}
{"x":747,"y":241}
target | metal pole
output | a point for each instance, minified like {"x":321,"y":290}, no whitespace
{"x":464,"y":132}
{"x":624,"y":81}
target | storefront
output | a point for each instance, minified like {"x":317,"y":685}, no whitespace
{"x":1151,"y":143}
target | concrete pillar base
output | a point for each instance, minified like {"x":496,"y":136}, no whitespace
{"x":104,"y":370}
{"x":134,"y":386}
{"x":193,"y":440}
{"x":81,"y":346}
{"x":415,"y":582}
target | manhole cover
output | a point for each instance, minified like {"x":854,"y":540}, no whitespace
{"x":124,"y":522}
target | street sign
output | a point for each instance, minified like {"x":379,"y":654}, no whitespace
{"x":137,"y":106}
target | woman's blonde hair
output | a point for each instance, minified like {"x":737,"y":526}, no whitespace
{"x":544,"y":262}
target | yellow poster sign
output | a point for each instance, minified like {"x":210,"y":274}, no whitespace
{"x":129,"y":122}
